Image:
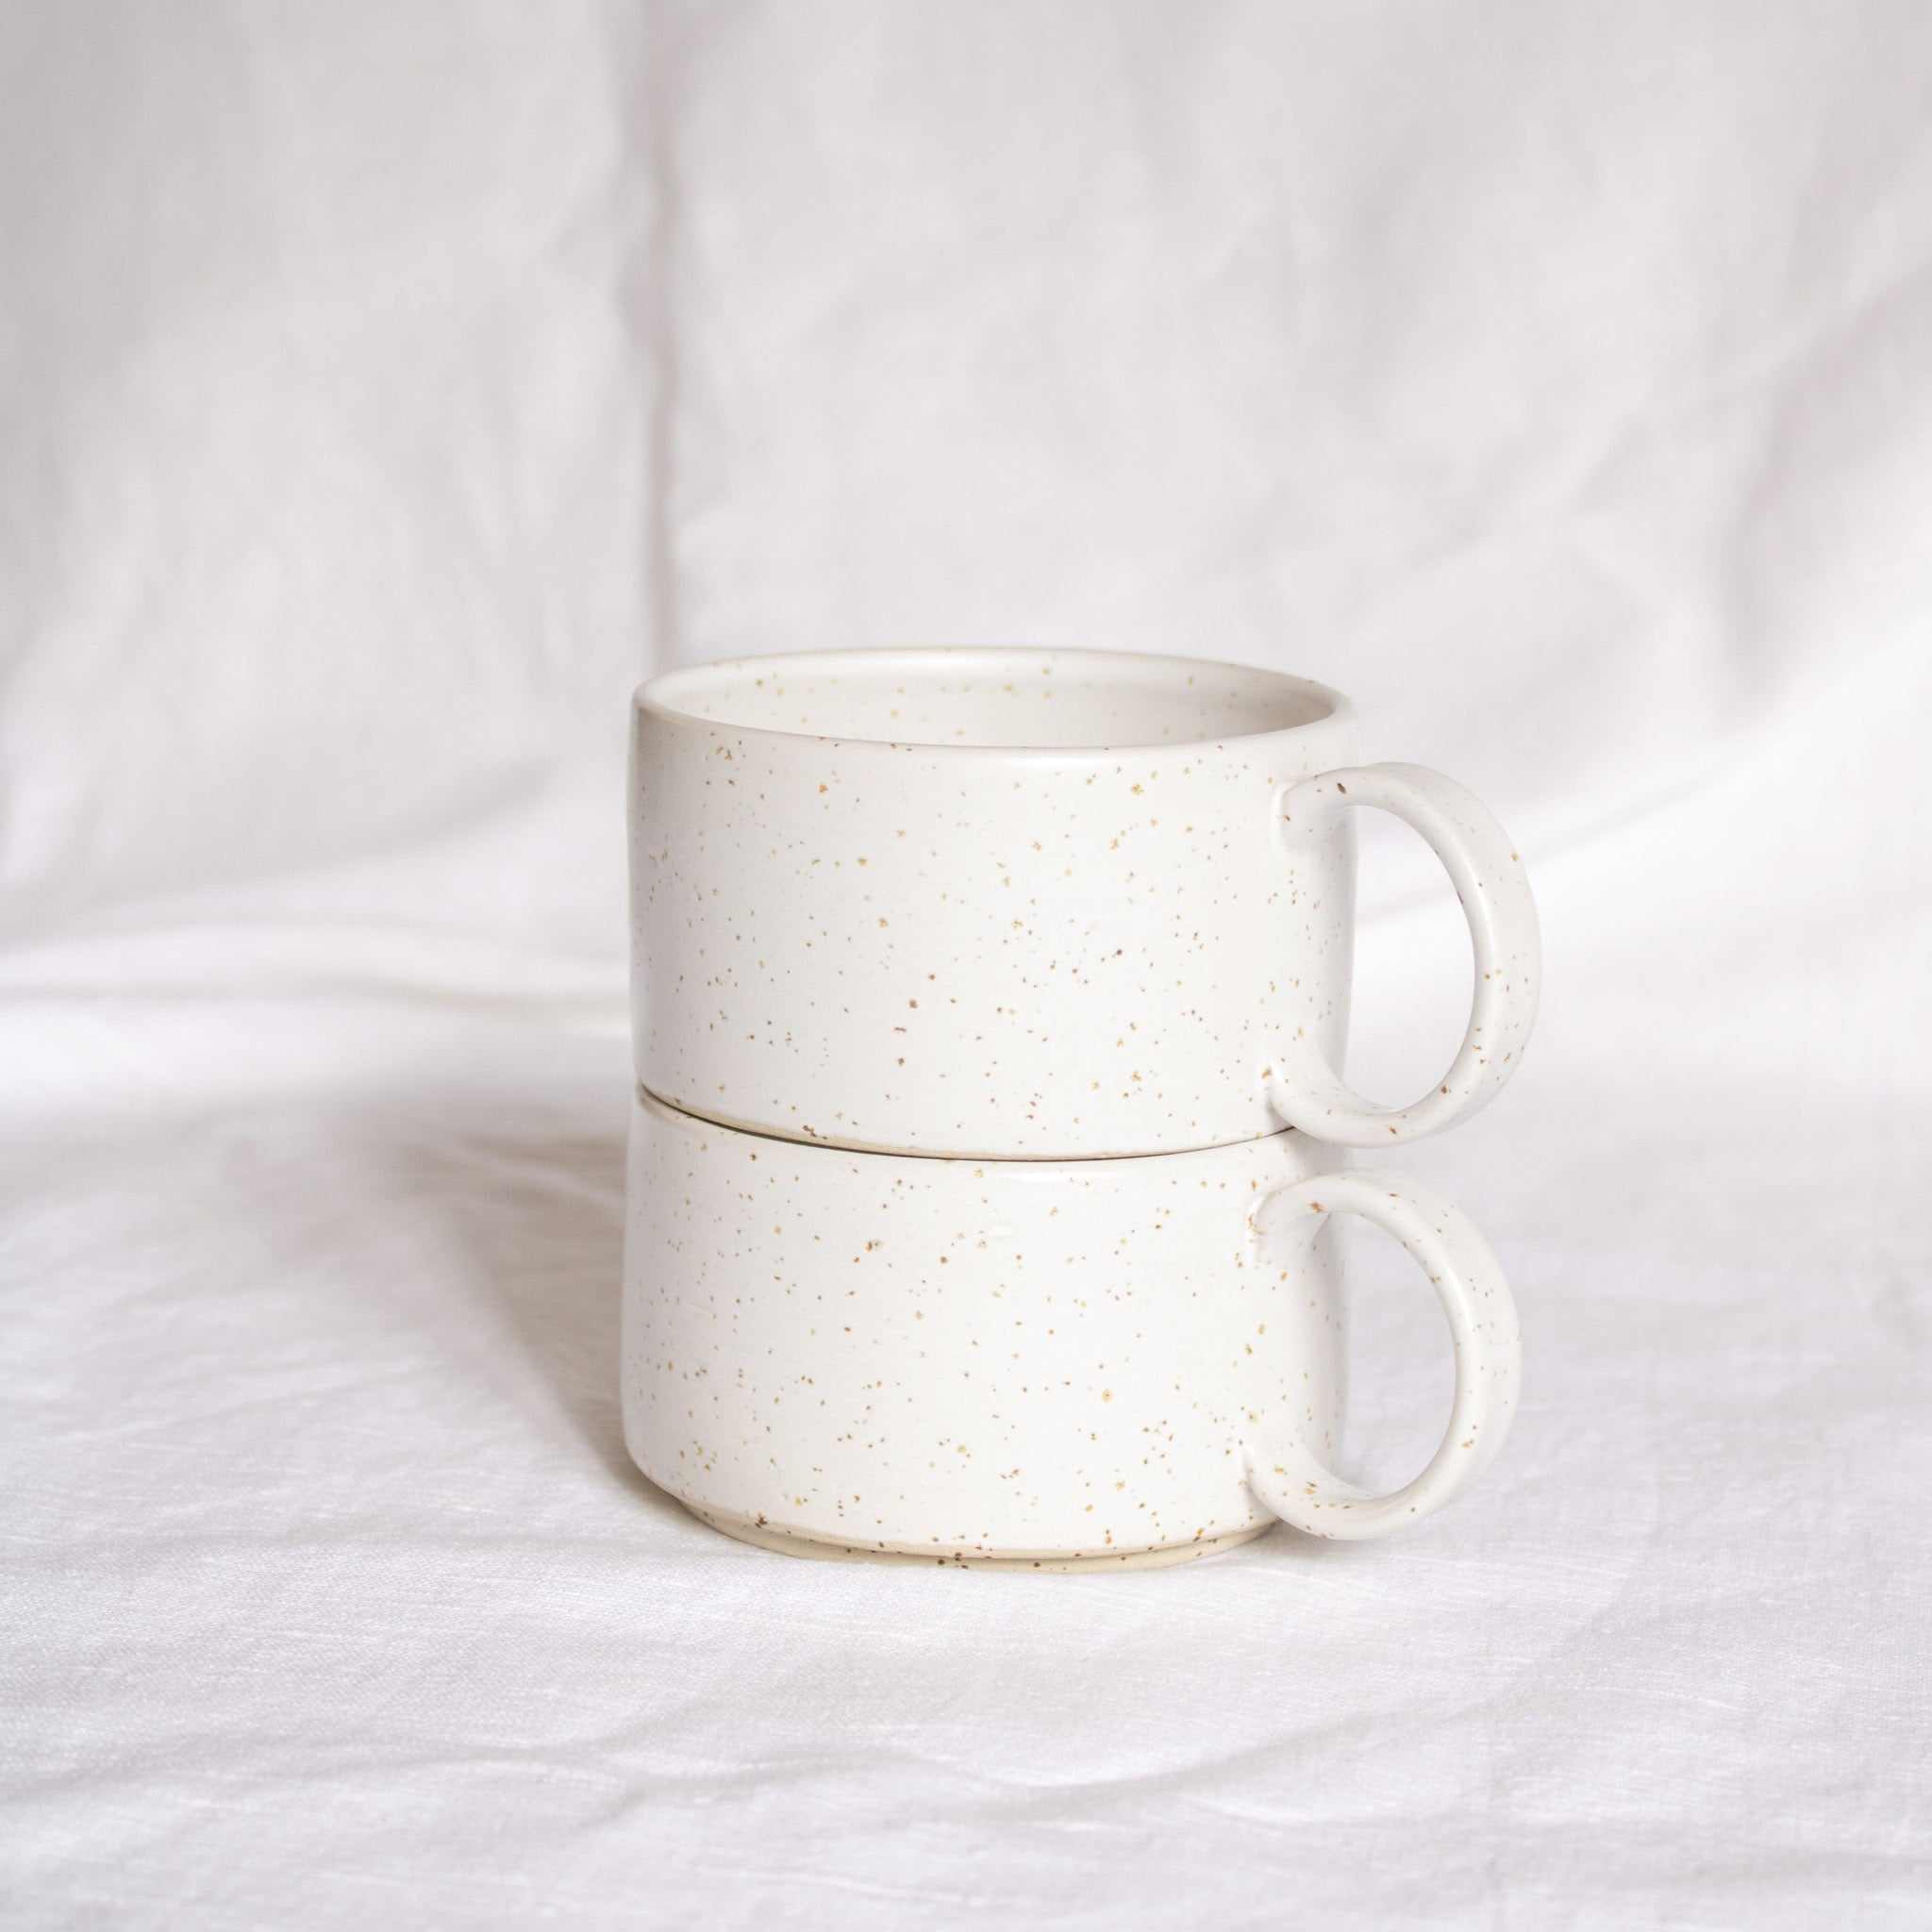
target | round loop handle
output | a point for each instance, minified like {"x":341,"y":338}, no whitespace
{"x":1288,"y":1477}
{"x":1305,"y":1091}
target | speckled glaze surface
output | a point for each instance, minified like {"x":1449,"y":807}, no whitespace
{"x":1035,"y":1363}
{"x":1029,"y":904}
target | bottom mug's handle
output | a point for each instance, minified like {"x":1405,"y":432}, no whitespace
{"x":1289,"y":1479}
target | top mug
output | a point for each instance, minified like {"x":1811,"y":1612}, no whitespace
{"x":1016,"y":903}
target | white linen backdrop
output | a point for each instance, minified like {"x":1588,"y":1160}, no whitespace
{"x":386,"y":387}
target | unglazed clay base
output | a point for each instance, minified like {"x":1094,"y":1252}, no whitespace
{"x":788,"y":1542}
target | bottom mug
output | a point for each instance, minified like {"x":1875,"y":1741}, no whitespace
{"x":1023,"y":1364}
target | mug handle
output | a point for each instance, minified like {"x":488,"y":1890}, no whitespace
{"x":1489,"y":878}
{"x":1289,"y":1479}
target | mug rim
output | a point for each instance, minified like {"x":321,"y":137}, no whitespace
{"x":659,"y":694}
{"x":1042,"y":1168}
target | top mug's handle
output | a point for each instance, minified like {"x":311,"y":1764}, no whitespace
{"x":1489,"y":878}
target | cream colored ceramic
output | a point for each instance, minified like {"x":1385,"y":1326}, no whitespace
{"x":1026,"y":1362}
{"x":1023,"y":903}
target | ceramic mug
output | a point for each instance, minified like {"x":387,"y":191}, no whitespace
{"x":1043,"y":1364}
{"x":1030,"y":904}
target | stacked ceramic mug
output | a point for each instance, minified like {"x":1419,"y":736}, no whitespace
{"x":989,"y":1010}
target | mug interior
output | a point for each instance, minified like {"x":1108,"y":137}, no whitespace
{"x":989,"y":697}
